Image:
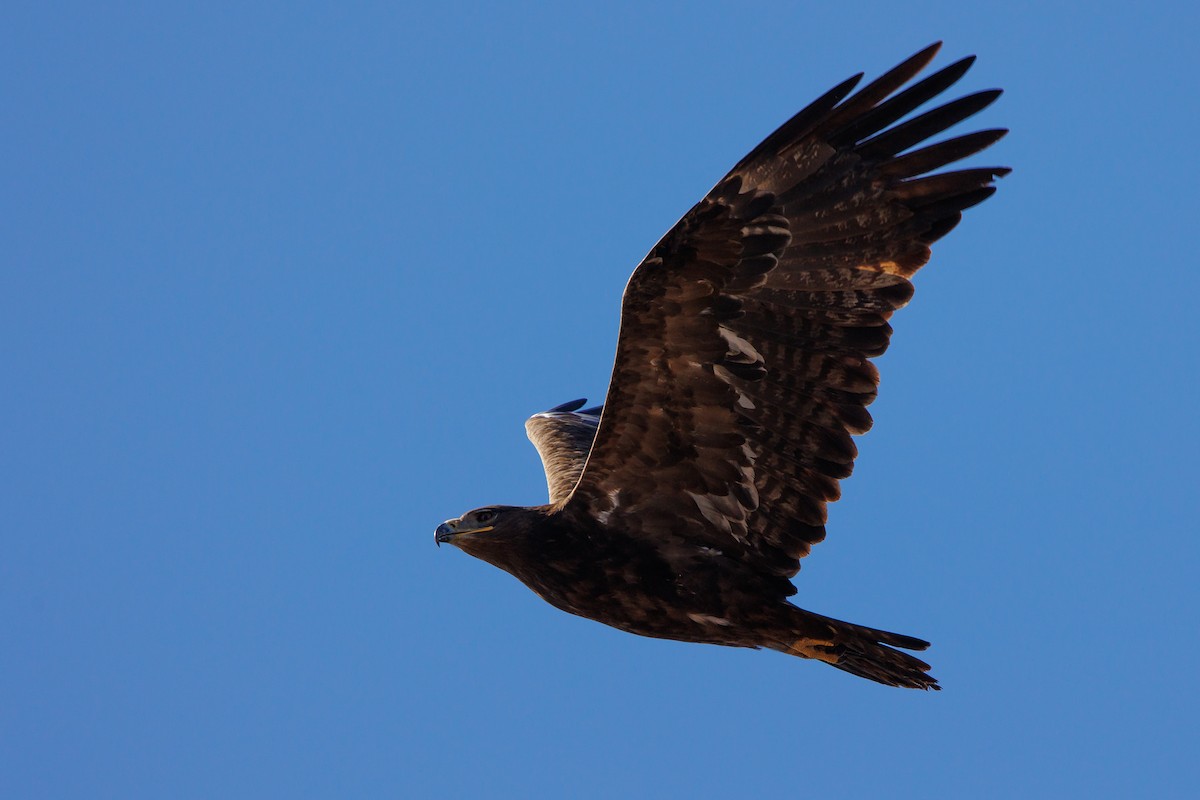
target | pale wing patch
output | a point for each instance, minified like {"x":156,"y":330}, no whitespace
{"x":709,"y":510}
{"x":611,"y":496}
{"x":740,"y":350}
{"x":563,"y":440}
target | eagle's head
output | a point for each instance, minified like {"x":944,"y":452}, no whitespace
{"x":488,"y":533}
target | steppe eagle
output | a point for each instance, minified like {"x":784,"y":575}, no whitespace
{"x":681,"y":508}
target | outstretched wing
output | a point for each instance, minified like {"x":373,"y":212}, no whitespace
{"x":563,"y":437}
{"x":743,"y":364}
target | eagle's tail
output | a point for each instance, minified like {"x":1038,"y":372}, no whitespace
{"x":862,"y":651}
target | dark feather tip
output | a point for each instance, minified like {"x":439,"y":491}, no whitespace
{"x":569,"y":406}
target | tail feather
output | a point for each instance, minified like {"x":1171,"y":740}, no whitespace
{"x":859,"y":650}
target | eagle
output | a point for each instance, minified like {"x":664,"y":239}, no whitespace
{"x":681,"y":507}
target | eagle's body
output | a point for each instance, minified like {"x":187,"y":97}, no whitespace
{"x":691,"y":594}
{"x":681,"y":507}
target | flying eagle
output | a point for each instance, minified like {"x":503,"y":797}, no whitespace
{"x":681,"y":508}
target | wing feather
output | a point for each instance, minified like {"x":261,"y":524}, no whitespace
{"x":743,"y":364}
{"x":563,"y":437}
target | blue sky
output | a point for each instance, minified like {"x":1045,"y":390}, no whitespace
{"x":282,"y":281}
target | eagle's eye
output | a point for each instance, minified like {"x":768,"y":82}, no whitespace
{"x":485,"y":516}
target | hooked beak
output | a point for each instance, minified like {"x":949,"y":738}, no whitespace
{"x":448,"y":531}
{"x":444,"y":533}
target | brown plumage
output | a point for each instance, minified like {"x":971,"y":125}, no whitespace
{"x":742,"y":371}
